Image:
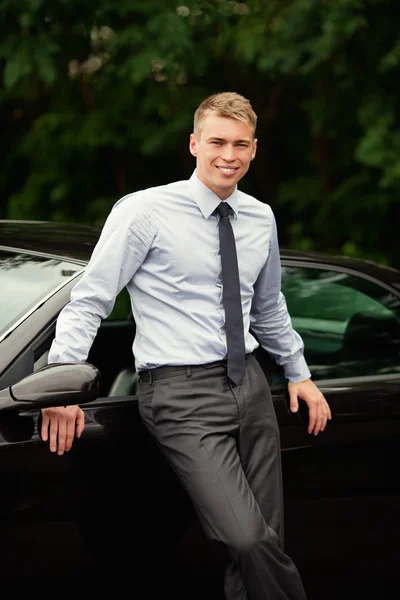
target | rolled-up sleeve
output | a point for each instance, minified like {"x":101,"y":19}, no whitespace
{"x":122,"y":247}
{"x":270,"y":319}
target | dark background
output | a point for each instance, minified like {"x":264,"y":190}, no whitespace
{"x":97,"y":100}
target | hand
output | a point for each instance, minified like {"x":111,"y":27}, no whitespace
{"x":62,"y":424}
{"x":318,"y":408}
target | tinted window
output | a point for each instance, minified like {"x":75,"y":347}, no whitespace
{"x":350,"y":326}
{"x":25,"y":280}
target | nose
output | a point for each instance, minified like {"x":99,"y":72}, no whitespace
{"x":228,"y":153}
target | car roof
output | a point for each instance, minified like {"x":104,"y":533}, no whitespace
{"x":67,"y":240}
{"x":76,"y":242}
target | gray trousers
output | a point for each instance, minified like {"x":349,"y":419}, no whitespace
{"x":223,"y":443}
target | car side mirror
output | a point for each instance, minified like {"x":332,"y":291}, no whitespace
{"x":59,"y":384}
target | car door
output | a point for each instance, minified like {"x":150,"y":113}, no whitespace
{"x":78,"y":513}
{"x":73,"y":514}
{"x":341,"y":496}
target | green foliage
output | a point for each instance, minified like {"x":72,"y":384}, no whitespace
{"x":97,"y":99}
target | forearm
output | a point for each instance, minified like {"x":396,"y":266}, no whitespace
{"x":76,"y":329}
{"x":276,"y":335}
{"x":270,"y":319}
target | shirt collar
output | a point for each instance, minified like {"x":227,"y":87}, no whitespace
{"x":206,"y":200}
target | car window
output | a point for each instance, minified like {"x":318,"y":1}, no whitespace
{"x":349,"y":325}
{"x":25,"y":280}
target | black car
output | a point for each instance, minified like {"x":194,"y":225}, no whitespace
{"x":112,"y":506}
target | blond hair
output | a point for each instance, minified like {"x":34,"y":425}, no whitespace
{"x":225,"y":104}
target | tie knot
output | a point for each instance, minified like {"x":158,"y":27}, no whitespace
{"x":223,"y":209}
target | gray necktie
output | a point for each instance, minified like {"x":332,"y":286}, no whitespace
{"x":231,"y":297}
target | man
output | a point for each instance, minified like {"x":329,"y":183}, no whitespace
{"x":202,"y":394}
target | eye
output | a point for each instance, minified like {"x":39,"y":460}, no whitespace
{"x":215,"y":143}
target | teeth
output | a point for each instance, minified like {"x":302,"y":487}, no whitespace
{"x":226,"y":170}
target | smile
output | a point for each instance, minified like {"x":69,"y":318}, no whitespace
{"x":227,"y":170}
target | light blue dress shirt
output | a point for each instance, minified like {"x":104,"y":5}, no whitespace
{"x":162,"y":243}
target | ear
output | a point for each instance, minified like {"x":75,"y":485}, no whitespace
{"x":193,"y":144}
{"x":254,"y":148}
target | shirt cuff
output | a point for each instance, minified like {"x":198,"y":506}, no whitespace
{"x":297,"y":371}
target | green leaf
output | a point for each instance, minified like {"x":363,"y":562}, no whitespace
{"x":46,"y":67}
{"x":15,"y":69}
{"x":12,"y":72}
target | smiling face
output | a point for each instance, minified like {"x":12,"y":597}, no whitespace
{"x":224,"y":148}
